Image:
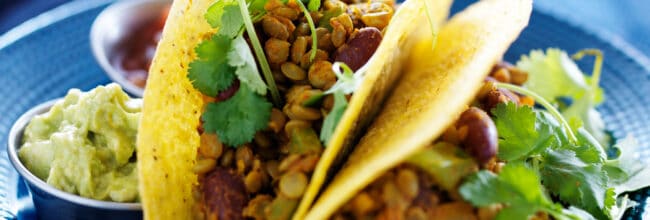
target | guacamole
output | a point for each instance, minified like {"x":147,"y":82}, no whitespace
{"x":85,"y":144}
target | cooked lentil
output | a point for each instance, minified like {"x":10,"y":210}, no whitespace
{"x":272,"y":172}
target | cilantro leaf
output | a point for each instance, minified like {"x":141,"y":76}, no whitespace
{"x":312,"y":28}
{"x":240,"y":56}
{"x":256,"y":9}
{"x":553,"y":74}
{"x":225,"y":16}
{"x":313,"y":5}
{"x":259,"y":52}
{"x":589,"y":151}
{"x":333,"y":118}
{"x":632,"y":173}
{"x":576,"y":182}
{"x":517,"y":187}
{"x":521,"y":131}
{"x":583,"y":108}
{"x":347,"y":83}
{"x":578,"y":173}
{"x":237,"y":119}
{"x":210,"y":73}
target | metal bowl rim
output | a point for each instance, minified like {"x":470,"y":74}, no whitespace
{"x":15,"y":136}
{"x":100,"y":54}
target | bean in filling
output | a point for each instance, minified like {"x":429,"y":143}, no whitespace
{"x":266,"y":178}
{"x":413,"y":191}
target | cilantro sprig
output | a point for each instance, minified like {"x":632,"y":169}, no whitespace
{"x":578,"y":173}
{"x":259,"y":53}
{"x":347,"y":83}
{"x":555,"y":76}
{"x":559,"y":159}
{"x":583,"y":108}
{"x":313,"y":6}
{"x":522,"y":131}
{"x":573,"y":171}
{"x":237,"y":119}
{"x":518,"y":188}
{"x":210,"y":73}
{"x":550,"y":108}
{"x":226,"y":55}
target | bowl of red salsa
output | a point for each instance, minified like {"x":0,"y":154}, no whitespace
{"x":124,"y":38}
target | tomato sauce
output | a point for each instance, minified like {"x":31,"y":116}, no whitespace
{"x":137,"y":50}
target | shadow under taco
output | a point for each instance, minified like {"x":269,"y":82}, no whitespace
{"x":249,"y":104}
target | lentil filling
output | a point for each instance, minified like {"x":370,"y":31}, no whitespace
{"x":410,"y":191}
{"x":266,"y":178}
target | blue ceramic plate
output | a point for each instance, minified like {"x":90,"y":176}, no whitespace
{"x":43,"y":58}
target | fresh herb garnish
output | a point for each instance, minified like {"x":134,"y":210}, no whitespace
{"x":565,"y":159}
{"x":210,"y":73}
{"x":347,"y":82}
{"x":577,"y":172}
{"x":584,"y":108}
{"x":256,"y":9}
{"x":226,"y":17}
{"x":555,"y":77}
{"x":567,"y":172}
{"x":259,"y":53}
{"x":223,"y":57}
{"x":518,"y":188}
{"x":314,"y":5}
{"x":237,"y":119}
{"x":521,"y":131}
{"x":239,"y":56}
{"x":544,"y":103}
{"x":312,"y":27}
{"x":329,"y":14}
{"x":333,"y":118}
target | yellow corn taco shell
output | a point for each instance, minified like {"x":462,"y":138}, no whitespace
{"x":437,"y":86}
{"x":168,"y":139}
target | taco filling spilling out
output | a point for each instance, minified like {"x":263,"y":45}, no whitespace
{"x":259,"y":150}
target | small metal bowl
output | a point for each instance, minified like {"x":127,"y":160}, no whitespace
{"x":52,"y":203}
{"x":116,"y":23}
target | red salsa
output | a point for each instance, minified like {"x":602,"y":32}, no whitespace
{"x":137,"y":50}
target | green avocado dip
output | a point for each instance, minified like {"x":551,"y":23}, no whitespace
{"x":85,"y":144}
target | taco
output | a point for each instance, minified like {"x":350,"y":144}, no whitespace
{"x":221,"y":139}
{"x":436,"y":87}
{"x":480,"y":138}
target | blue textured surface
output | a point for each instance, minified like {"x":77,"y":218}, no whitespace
{"x":46,"y":63}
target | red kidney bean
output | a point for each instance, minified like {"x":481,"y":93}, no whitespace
{"x":359,"y":48}
{"x":224,"y":193}
{"x":478,"y":134}
{"x":229,"y":92}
